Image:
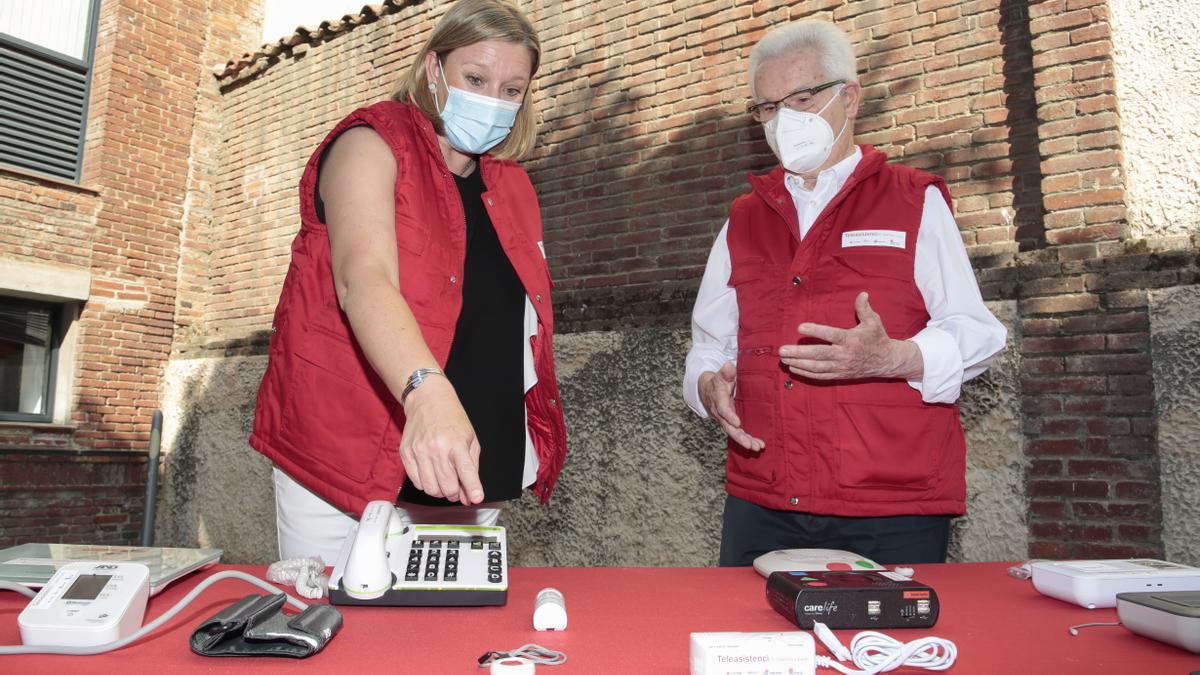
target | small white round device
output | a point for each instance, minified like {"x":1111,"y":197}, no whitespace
{"x":549,"y":610}
{"x":87,"y":604}
{"x":512,"y":666}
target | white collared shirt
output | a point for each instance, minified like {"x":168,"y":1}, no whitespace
{"x":959,"y":342}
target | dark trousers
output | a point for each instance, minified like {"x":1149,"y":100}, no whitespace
{"x":750,"y":530}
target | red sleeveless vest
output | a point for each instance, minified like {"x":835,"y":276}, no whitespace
{"x":847,"y":448}
{"x":323,"y":415}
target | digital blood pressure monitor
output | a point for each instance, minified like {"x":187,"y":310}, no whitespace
{"x":86,"y":604}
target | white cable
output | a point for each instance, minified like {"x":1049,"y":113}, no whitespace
{"x":23,"y":590}
{"x":830,"y":641}
{"x":305,"y":573}
{"x":533,"y":653}
{"x":1074,"y":630}
{"x":150,"y":627}
{"x":874,"y":652}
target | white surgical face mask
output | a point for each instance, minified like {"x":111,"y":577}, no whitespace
{"x":475,"y":123}
{"x":802,"y":140}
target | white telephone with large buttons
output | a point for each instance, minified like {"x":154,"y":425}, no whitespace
{"x":385,"y":562}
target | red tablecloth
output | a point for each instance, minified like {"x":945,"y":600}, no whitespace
{"x":637,"y":620}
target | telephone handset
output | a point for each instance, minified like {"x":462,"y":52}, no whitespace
{"x":813,"y":560}
{"x":385,"y":562}
{"x":367,"y":574}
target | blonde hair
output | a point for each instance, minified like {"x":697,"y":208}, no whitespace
{"x":465,"y":23}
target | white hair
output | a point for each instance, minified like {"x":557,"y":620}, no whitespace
{"x":837,"y":56}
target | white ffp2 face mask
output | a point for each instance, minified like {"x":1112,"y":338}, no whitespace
{"x":802,"y":140}
{"x":475,"y":123}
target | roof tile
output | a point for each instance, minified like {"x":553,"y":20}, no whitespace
{"x":307,"y":35}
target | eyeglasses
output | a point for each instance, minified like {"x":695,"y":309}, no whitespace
{"x":800,"y":99}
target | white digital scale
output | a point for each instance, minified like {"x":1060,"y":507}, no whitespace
{"x":1096,"y":583}
{"x":87,"y":604}
{"x":384,"y":562}
{"x":1172,"y":617}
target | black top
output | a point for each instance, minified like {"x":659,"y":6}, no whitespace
{"x":486,"y":363}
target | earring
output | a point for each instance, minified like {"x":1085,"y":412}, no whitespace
{"x":432,"y":87}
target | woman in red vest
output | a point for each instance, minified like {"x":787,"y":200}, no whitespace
{"x":411,"y":353}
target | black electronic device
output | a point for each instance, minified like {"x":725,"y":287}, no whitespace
{"x":870,"y":600}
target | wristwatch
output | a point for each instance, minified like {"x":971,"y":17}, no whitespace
{"x":418,"y":376}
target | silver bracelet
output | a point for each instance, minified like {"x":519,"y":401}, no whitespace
{"x":418,"y":376}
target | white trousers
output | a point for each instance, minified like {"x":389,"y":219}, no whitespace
{"x":311,"y":526}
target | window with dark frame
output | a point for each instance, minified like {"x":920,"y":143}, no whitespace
{"x":46,"y":54}
{"x":30,"y":334}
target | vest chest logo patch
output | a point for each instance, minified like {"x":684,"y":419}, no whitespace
{"x":889,"y":238}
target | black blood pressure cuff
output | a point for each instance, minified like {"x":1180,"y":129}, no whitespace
{"x":256,"y":626}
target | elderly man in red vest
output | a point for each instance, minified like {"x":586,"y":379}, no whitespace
{"x":835,"y":324}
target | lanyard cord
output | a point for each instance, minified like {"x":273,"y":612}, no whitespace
{"x":530,"y":652}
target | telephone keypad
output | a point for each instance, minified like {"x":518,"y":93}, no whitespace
{"x":495,"y":565}
{"x":412,"y":573}
{"x":425,"y":561}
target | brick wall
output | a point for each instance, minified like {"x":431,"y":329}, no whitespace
{"x":97,"y":500}
{"x":1088,"y":402}
{"x":1088,"y":388}
{"x":231,"y":26}
{"x":61,"y":217}
{"x":141,"y":157}
{"x":123,"y":224}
